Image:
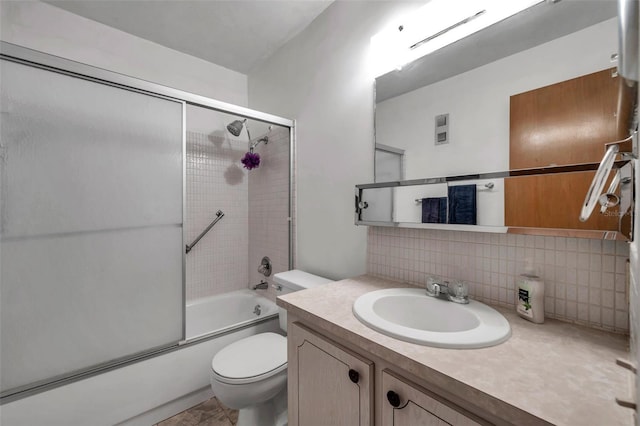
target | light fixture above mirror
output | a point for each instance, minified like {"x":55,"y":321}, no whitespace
{"x":436,"y":25}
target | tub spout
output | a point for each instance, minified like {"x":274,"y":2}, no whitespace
{"x":262,"y":286}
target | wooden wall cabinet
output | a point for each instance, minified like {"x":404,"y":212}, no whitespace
{"x":564,"y":123}
{"x":332,"y":385}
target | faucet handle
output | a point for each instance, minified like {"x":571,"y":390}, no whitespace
{"x":265,"y":266}
{"x":433,"y":286}
{"x":459,"y":292}
{"x":460,"y":289}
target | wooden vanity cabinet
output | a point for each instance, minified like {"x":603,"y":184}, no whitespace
{"x":407,"y":404}
{"x":332,"y":385}
{"x":328,"y":384}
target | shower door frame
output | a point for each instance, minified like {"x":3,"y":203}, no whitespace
{"x":45,"y":61}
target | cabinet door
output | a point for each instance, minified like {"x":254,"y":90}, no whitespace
{"x":564,"y":123}
{"x":567,"y":122}
{"x":328,"y":385}
{"x":407,"y":405}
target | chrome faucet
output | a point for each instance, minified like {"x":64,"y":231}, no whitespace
{"x":262,"y":286}
{"x":458,"y":292}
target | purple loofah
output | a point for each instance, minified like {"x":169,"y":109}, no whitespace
{"x":250,"y":160}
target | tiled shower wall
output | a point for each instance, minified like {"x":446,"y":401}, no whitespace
{"x":215,"y":181}
{"x":269,"y":208}
{"x":585,"y":280}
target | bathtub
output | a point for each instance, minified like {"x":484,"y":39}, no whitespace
{"x":156,"y":388}
{"x":225,"y":312}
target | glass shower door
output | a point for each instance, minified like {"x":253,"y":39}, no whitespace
{"x":91,"y":217}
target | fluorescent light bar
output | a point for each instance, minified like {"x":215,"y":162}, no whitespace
{"x":439,"y":33}
{"x":436,"y":25}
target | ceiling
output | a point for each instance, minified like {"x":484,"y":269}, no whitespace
{"x":240,"y":34}
{"x":237,"y":35}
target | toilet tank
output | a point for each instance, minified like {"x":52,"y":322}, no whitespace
{"x":294,"y":280}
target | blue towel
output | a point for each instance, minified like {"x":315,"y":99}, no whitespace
{"x":462,"y":205}
{"x":434,"y":210}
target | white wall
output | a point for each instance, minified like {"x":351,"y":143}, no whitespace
{"x":322,"y":79}
{"x":478,"y":104}
{"x":46,"y":28}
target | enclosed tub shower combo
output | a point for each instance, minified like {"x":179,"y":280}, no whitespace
{"x":126,"y":215}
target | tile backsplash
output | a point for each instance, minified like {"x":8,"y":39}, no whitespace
{"x":585,"y":280}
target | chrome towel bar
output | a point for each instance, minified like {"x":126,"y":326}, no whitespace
{"x":219,"y":215}
{"x":486,"y":187}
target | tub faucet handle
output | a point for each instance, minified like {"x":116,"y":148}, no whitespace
{"x":265,"y":266}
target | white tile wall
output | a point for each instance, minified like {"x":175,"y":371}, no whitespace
{"x":269,"y":207}
{"x":216,"y":181}
{"x":585,"y":280}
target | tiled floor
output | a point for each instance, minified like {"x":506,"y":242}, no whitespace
{"x":209,"y":413}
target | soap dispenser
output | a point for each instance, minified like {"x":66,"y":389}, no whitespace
{"x":530,"y":293}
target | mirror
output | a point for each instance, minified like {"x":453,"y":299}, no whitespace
{"x":451,"y":113}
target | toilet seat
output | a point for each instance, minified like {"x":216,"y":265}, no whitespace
{"x":251,"y":359}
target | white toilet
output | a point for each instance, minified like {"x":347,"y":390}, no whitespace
{"x":250,"y":374}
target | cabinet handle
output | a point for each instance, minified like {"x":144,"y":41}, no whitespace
{"x":394,"y":398}
{"x":354,"y":375}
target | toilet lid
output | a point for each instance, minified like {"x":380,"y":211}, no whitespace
{"x":254,"y":357}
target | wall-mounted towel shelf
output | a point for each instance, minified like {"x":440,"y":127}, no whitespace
{"x":219,"y":215}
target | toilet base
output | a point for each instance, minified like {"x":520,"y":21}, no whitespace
{"x":269,"y":413}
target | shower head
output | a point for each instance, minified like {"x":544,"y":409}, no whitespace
{"x":236,"y":127}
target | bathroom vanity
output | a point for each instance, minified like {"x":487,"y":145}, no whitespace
{"x":342,"y":372}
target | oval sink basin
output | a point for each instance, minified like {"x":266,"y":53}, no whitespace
{"x":409,"y":314}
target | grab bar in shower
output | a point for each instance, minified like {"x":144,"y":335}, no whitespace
{"x":219,"y":215}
